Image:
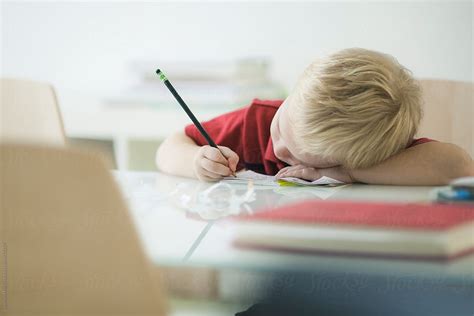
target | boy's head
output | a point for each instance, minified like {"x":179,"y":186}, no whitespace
{"x":354,"y":108}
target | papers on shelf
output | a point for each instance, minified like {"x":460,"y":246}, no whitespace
{"x":261,"y":179}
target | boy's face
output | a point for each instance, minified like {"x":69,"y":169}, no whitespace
{"x":284,"y":145}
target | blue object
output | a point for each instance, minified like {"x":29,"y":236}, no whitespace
{"x":450,"y":194}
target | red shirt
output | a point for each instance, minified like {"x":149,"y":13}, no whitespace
{"x":247,"y":132}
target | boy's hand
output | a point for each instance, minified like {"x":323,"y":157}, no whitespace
{"x":211,"y":165}
{"x":311,"y":174}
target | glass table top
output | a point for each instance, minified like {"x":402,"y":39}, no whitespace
{"x":184,"y":222}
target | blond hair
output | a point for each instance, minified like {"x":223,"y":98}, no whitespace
{"x":357,"y":106}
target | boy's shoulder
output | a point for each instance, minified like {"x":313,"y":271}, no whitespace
{"x":273,"y":104}
{"x":261,"y":112}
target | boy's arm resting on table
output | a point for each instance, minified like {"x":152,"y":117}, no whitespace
{"x":181,"y":156}
{"x":175,"y":155}
{"x":432,"y":163}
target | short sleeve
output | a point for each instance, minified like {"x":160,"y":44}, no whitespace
{"x":419,"y":141}
{"x":226,"y":130}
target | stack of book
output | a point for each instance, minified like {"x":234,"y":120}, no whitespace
{"x":394,"y":230}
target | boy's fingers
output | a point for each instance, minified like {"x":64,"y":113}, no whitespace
{"x":228,"y":153}
{"x":282,"y":171}
{"x":289,"y":171}
{"x":231,"y":156}
{"x":310,"y":174}
{"x":215,"y":167}
{"x":215,"y":155}
{"x":209,"y":176}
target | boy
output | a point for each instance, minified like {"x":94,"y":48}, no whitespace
{"x":352,"y":116}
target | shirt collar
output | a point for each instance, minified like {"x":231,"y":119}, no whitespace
{"x":270,"y":155}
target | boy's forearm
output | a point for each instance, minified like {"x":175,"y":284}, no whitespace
{"x":432,"y":163}
{"x":176,"y":154}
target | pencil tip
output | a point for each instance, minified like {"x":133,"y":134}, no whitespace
{"x":158,"y":71}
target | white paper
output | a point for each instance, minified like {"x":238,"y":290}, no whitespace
{"x":257,"y":178}
{"x":262,"y":179}
{"x":321,"y":181}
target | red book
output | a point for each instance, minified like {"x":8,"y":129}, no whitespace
{"x":401,"y":230}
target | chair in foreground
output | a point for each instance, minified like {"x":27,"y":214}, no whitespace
{"x":68,"y":245}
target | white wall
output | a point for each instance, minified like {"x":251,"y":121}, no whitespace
{"x":86,"y":46}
